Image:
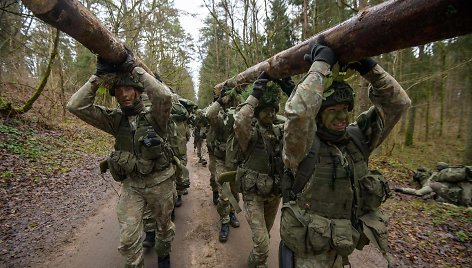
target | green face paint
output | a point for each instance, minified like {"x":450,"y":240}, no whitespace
{"x":336,"y":117}
{"x":266,"y":116}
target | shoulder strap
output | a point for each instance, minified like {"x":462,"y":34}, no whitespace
{"x":306,"y":167}
{"x":359,"y":140}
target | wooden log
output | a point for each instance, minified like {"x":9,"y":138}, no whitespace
{"x":387,"y":27}
{"x":72,"y":18}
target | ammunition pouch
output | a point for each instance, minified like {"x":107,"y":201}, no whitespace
{"x":374,"y":190}
{"x":251,"y":181}
{"x":374,"y":227}
{"x":121,"y":164}
{"x":311,"y":233}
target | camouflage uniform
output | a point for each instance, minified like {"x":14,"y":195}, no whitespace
{"x":200,"y":124}
{"x":452,"y":184}
{"x":258,"y":176}
{"x":146,"y":172}
{"x":216,"y":150}
{"x":327,"y":218}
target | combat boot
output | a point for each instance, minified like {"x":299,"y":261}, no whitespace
{"x":163,"y":262}
{"x":178,"y":202}
{"x":149,"y":240}
{"x":224,"y":232}
{"x":216,"y":195}
{"x":185,"y":191}
{"x":233,"y":220}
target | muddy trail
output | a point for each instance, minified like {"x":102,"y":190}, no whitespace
{"x":196,"y":244}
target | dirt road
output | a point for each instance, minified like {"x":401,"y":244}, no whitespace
{"x":196,"y":243}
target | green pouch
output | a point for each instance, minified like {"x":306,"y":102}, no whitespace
{"x":375,"y":228}
{"x":145,"y":167}
{"x":319,"y":233}
{"x":344,"y":237}
{"x":264,"y":184}
{"x":293,"y":228}
{"x":151,"y":153}
{"x":374,"y":190}
{"x":121,"y":164}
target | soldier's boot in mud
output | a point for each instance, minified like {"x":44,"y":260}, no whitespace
{"x":216,"y":195}
{"x":185,"y":191}
{"x":149,"y":240}
{"x":163,"y":262}
{"x":178,"y":202}
{"x":224,"y":232}
{"x":233,"y":220}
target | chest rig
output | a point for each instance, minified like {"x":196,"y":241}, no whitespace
{"x":265,"y":151}
{"x":150,"y":150}
{"x":333,"y":189}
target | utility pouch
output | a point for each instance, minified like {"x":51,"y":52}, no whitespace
{"x":319,"y":233}
{"x":293,"y":228}
{"x":374,"y":190}
{"x":144,"y":167}
{"x":151,"y":148}
{"x":344,"y":236}
{"x":264,"y":184}
{"x":121,"y":164}
{"x":375,"y":229}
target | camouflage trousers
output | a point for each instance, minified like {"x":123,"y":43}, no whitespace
{"x":328,"y":259}
{"x":130,"y":210}
{"x":260,"y":214}
{"x":212,"y":168}
{"x":179,"y":178}
{"x":198,"y":147}
{"x":224,"y":206}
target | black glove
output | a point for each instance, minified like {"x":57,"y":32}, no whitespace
{"x":260,"y":85}
{"x":286,"y":84}
{"x":321,"y":53}
{"x":362,"y":66}
{"x":223,"y":93}
{"x":128,"y":65}
{"x":104,"y":67}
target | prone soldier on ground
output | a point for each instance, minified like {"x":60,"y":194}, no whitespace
{"x":450,"y":184}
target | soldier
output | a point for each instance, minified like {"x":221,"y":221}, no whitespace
{"x":199,"y":134}
{"x":142,"y":157}
{"x":260,"y":166}
{"x":333,"y":202}
{"x":178,"y":132}
{"x":221,"y":126}
{"x":450,"y":184}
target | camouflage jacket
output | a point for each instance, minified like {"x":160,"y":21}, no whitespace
{"x":82,"y":105}
{"x":389,"y":99}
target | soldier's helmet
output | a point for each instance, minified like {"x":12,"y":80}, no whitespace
{"x":338,"y":92}
{"x":270,"y":98}
{"x":126,"y":80}
{"x":441,"y":165}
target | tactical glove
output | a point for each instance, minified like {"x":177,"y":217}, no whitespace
{"x":128,"y":65}
{"x":260,"y":84}
{"x":103,"y":67}
{"x":362,"y":66}
{"x":286,"y":84}
{"x":321,"y":53}
{"x":223,"y":93}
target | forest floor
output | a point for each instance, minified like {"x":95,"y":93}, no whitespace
{"x":50,"y":188}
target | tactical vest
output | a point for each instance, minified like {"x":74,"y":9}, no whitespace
{"x":333,"y":189}
{"x":265,"y":151}
{"x":142,"y":151}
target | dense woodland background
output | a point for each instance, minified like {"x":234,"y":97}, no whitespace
{"x":49,"y":158}
{"x":237,"y":35}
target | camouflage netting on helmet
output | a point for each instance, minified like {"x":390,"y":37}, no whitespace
{"x":270,"y":98}
{"x":338,"y":92}
{"x":113,"y":81}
